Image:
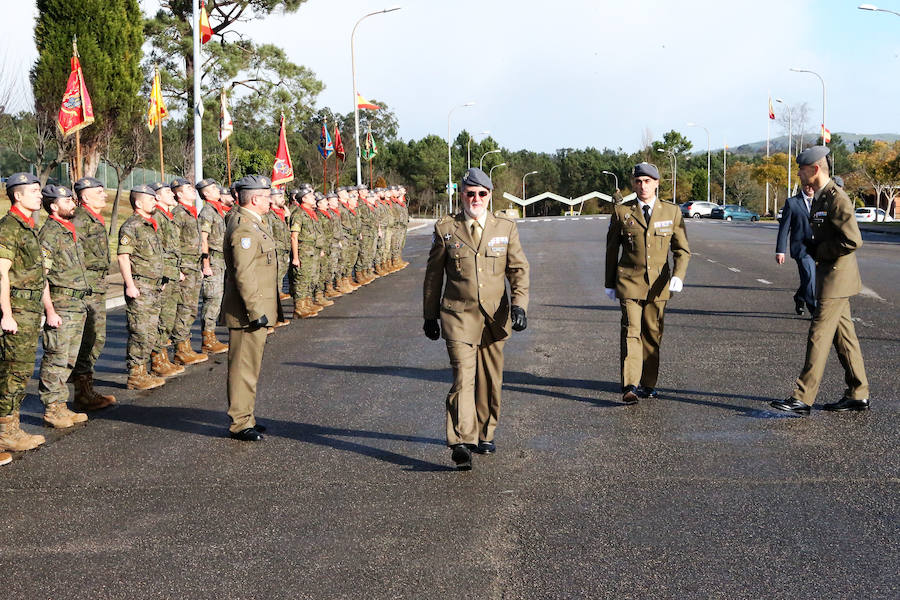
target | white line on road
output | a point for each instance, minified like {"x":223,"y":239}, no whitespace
{"x":869,"y":292}
{"x":710,"y":260}
{"x":733,"y":269}
{"x":765,"y":281}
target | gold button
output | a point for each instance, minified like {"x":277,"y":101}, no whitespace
{"x":480,"y":285}
{"x":479,"y":270}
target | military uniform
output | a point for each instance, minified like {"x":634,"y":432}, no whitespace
{"x":368,"y":234}
{"x":251,"y":293}
{"x":169,"y":295}
{"x":306,"y":223}
{"x":330,"y":226}
{"x":186,"y":219}
{"x":212,"y":223}
{"x":280,"y":227}
{"x":474,"y":311}
{"x":350,"y":228}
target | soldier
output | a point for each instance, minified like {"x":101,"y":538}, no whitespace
{"x":358,"y":278}
{"x":189,"y":237}
{"x":212,"y":236}
{"x":23,"y":286}
{"x":472,"y":256}
{"x":641,"y":233}
{"x":337,"y":246}
{"x":403,"y":226}
{"x":368,"y":233}
{"x":140,"y":258}
{"x":167,"y":230}
{"x":327,"y":219}
{"x":64,"y":267}
{"x":278,"y":221}
{"x":251,"y":298}
{"x":307,"y":246}
{"x":92,"y":236}
{"x":350,"y":243}
{"x":399,"y":221}
{"x":835,"y":238}
{"x":383,"y":220}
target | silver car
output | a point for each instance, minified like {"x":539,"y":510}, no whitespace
{"x":696,"y":210}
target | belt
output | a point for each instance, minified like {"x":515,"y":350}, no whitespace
{"x":79,"y":294}
{"x":153,"y":280}
{"x":217,"y":253}
{"x":25,"y":294}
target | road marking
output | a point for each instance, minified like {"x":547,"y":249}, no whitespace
{"x":546,"y":220}
{"x":588,"y":218}
{"x":765,"y":281}
{"x":574,"y":218}
{"x":733,"y":269}
{"x":710,"y":260}
{"x":869,"y":292}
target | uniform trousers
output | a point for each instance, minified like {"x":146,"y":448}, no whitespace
{"x":473,"y":404}
{"x":641,"y":335}
{"x":212,"y":289}
{"x":832,"y":325}
{"x":61,"y":345}
{"x":94,"y":336}
{"x":187,"y":305}
{"x":142,"y":317}
{"x":245,"y":354}
{"x":806,"y":293}
{"x":17,"y":353}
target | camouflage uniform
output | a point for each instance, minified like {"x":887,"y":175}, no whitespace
{"x":281,"y":233}
{"x":310,"y":242}
{"x":351,"y":227}
{"x":397,"y":227}
{"x":138,"y":239}
{"x":403,"y":227}
{"x":384,"y":225}
{"x":167,"y":231}
{"x":212,"y":222}
{"x":368,"y":233}
{"x":93,"y":239}
{"x":329,"y":225}
{"x":189,"y":237}
{"x":19,"y":243}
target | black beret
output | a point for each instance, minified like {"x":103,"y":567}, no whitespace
{"x":143,"y":189}
{"x":253,"y":182}
{"x":277,"y":190}
{"x":645,"y":169}
{"x":839,"y":181}
{"x":55,"y":191}
{"x":320,"y":196}
{"x":86,"y":183}
{"x":158,"y":185}
{"x":330,"y":195}
{"x":206,"y":182}
{"x":224,"y":190}
{"x":811,"y":155}
{"x":362,"y":186}
{"x":476,"y":177}
{"x":17,"y":179}
{"x":178,"y":182}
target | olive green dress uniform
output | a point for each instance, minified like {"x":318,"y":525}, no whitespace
{"x":139,"y":240}
{"x":212,"y":222}
{"x":475,"y":315}
{"x":281,"y":231}
{"x":169,"y":238}
{"x":251,"y":267}
{"x":637,"y":267}
{"x":310,"y":242}
{"x":837,"y":238}
{"x":67,"y":274}
{"x":19,"y":244}
{"x":188,"y":224}
{"x":94,"y":241}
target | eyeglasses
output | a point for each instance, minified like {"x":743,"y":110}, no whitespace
{"x":481,"y":194}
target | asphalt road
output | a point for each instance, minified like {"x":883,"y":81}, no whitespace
{"x":702,"y":493}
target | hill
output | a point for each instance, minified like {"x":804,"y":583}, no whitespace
{"x":780,"y":143}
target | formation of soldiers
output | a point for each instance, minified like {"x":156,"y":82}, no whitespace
{"x":172,"y":263}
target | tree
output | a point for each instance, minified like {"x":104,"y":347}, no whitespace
{"x":124,"y":151}
{"x":881,"y":168}
{"x":773,"y":170}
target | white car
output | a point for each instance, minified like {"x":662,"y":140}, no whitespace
{"x":871,"y":215}
{"x":696,"y":210}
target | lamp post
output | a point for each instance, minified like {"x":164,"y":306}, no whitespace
{"x":469,"y":148}
{"x":790,"y":142}
{"x":524,"y":206}
{"x":708,"y":161}
{"x":490,"y":175}
{"x":875,"y":8}
{"x":355,"y":93}
{"x":674,"y":158}
{"x":824,"y":143}
{"x":450,"y":159}
{"x":481,"y":162}
{"x":614,"y":177}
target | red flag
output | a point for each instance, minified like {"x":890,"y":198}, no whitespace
{"x":205,"y":30}
{"x":363,"y":103}
{"x":283,"y":169}
{"x":771,"y":109}
{"x":76,"y":111}
{"x":826,"y":135}
{"x":338,"y":143}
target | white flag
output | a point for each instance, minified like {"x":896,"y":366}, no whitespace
{"x":226,"y":125}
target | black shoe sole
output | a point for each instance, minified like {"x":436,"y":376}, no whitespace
{"x":783,"y":408}
{"x":848,"y":409}
{"x":630,"y":398}
{"x":481,"y":450}
{"x":463,"y":461}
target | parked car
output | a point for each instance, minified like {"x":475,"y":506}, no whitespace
{"x":869,"y":214}
{"x":733,"y":212}
{"x":696,"y":210}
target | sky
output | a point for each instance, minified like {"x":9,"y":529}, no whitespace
{"x":584,"y":73}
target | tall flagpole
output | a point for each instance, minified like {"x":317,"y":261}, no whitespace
{"x":228,"y":159}
{"x":78,"y":165}
{"x":198,"y":123}
{"x":768,"y":134}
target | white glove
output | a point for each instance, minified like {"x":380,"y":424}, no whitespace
{"x":610,"y":293}
{"x":675,"y":284}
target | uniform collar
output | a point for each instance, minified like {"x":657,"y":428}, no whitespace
{"x":96,"y":216}
{"x":21,"y":216}
{"x":481,"y":220}
{"x":67,"y":225}
{"x":251,"y":213}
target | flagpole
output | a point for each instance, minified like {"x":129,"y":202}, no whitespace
{"x":325,"y":176}
{"x":228,"y":159}
{"x":162,"y":167}
{"x":78,"y":132}
{"x":198,"y":123}
{"x":768,"y":135}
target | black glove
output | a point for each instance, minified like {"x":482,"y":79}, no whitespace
{"x":432,"y":329}
{"x":260,"y":322}
{"x":519,"y":320}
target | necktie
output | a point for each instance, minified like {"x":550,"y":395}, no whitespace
{"x":476,"y":233}
{"x":647,"y":214}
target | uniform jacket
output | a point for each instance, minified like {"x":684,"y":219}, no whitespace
{"x":167,"y":231}
{"x":189,"y":235}
{"x":836,"y":235}
{"x":93,"y":237}
{"x":641,"y":270}
{"x":138,"y":238}
{"x":473,"y":278}
{"x":310,"y":231}
{"x":212,"y":222}
{"x":281,"y":229}
{"x":251,"y":272}
{"x":794,"y":224}
{"x":63,"y":258}
{"x":19,"y":243}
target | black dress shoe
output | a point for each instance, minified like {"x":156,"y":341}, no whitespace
{"x":462,"y":456}
{"x":486,"y":448}
{"x":646,"y":392}
{"x":845,"y":404}
{"x":791,"y":405}
{"x":798,"y":306}
{"x":629,"y":395}
{"x":260,"y":428}
{"x":247,"y":435}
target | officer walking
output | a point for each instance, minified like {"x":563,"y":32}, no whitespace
{"x":835,"y":239}
{"x":472,"y":256}
{"x":641,"y":234}
{"x":250,"y":301}
{"x":794,"y":225}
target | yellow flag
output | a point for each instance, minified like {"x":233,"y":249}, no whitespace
{"x":157,"y":111}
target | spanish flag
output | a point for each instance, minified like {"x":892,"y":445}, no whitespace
{"x":826,"y":135}
{"x":76,"y":111}
{"x":157,"y":112}
{"x":771,"y":109}
{"x":205,"y":30}
{"x":363,"y":103}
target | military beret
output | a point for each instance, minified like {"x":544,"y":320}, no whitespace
{"x":277,"y":191}
{"x":55,"y":191}
{"x":839,"y":181}
{"x":476,"y":177}
{"x":205,"y":182}
{"x":158,"y":185}
{"x":253,"y":182}
{"x":17,"y":179}
{"x":224,"y":190}
{"x":811,"y":155}
{"x":362,"y":186}
{"x":178,"y":182}
{"x":143,"y":189}
{"x":320,"y":196}
{"x":330,"y":195}
{"x":86,"y":183}
{"x":645,"y":169}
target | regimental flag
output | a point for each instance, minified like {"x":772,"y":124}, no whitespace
{"x":205,"y":30}
{"x":157,"y":113}
{"x":363,"y":103}
{"x":283,"y":169}
{"x":226,"y":124}
{"x":771,"y":109}
{"x":338,"y":143}
{"x":371,"y":148}
{"x":326,"y":148}
{"x":826,"y":135}
{"x":76,"y":111}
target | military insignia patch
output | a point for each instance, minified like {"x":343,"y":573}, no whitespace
{"x":46,"y":252}
{"x":125,"y":240}
{"x":245,"y":243}
{"x":447,"y":236}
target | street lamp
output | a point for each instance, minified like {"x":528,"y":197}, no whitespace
{"x":824,"y":143}
{"x":355,"y":93}
{"x":490,"y":175}
{"x":614,"y":177}
{"x":708,"y":162}
{"x":674,"y":158}
{"x":790,"y":140}
{"x":875,"y":8}
{"x":469,"y":148}
{"x":481,"y":162}
{"x":450,"y":159}
{"x":524,"y":206}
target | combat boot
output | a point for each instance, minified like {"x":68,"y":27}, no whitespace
{"x":344,"y":286}
{"x":59,"y":416}
{"x":380,"y":270}
{"x":5,"y":458}
{"x":176,"y":369}
{"x":370,"y":276}
{"x":330,"y":292}
{"x":13,"y":438}
{"x":211,"y":345}
{"x":159,"y":365}
{"x":86,"y":397}
{"x":303,"y":310}
{"x":185,"y":355}
{"x":139,"y":379}
{"x":352,"y":284}
{"x":321,"y":300}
